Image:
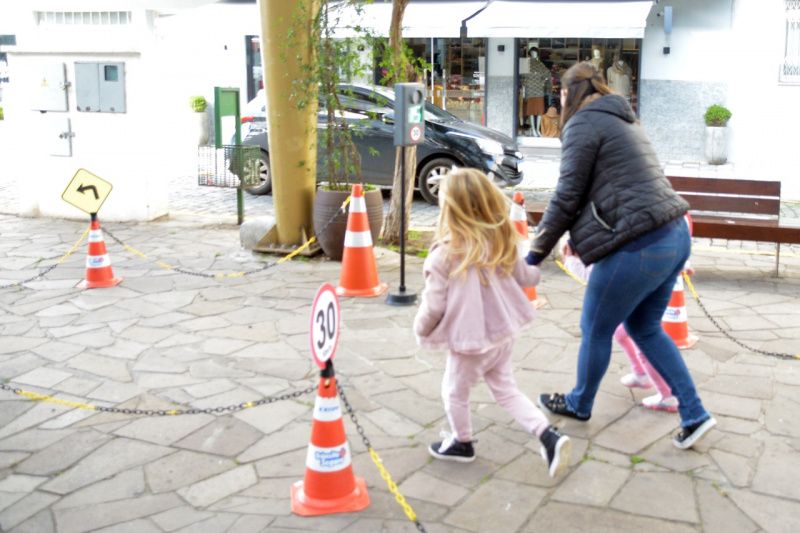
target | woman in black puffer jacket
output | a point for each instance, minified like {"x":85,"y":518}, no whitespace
{"x":624,"y":217}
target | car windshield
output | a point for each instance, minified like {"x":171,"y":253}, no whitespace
{"x":377,"y":98}
{"x":437,"y":114}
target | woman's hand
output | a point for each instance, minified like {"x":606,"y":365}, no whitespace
{"x":533,"y":258}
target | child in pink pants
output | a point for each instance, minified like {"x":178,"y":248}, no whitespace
{"x":473,"y":305}
{"x":644,"y":376}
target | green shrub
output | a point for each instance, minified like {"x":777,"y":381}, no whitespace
{"x":198,"y":104}
{"x":717,"y":115}
{"x":1,"y":113}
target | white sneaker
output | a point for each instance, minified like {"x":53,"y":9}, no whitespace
{"x":657,"y":403}
{"x":636,"y":381}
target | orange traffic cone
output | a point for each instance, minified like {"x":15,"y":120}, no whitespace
{"x":98,"y":265}
{"x":675,"y":319}
{"x":520,"y":221}
{"x":329,"y":485}
{"x":359,"y":275}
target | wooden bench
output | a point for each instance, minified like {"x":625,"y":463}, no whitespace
{"x":746,"y":210}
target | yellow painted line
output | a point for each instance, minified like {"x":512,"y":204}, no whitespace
{"x":570,"y":274}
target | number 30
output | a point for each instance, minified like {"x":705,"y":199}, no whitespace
{"x":327,"y":327}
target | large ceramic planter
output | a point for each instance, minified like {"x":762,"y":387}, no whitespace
{"x":330,"y":224}
{"x":716,"y":145}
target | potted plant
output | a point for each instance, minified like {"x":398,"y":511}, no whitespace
{"x":338,"y":161}
{"x":199,"y":106}
{"x":716,"y":118}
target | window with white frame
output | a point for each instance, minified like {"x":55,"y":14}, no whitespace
{"x":790,"y":70}
{"x":82,"y":18}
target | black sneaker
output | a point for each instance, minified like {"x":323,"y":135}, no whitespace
{"x":689,"y":435}
{"x":451,"y":449}
{"x":555,"y":450}
{"x":557,"y":404}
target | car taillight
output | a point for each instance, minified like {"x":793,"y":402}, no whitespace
{"x":247,"y":119}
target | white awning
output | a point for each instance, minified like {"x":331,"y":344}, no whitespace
{"x":561,"y":19}
{"x":428,"y":19}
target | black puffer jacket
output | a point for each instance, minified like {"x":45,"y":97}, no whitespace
{"x":611,"y":189}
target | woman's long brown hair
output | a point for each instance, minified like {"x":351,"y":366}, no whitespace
{"x":581,"y":81}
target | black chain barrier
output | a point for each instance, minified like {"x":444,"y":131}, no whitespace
{"x":155,"y":412}
{"x":779,"y":355}
{"x":237,"y":274}
{"x":385,"y":475}
{"x":41,"y":274}
{"x":174,"y":268}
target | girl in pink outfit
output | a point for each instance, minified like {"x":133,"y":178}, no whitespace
{"x":473,"y":305}
{"x":644,"y":376}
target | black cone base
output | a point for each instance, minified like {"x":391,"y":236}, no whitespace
{"x":401,"y":297}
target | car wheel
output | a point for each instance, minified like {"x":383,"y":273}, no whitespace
{"x":264,"y":175}
{"x":430,"y":177}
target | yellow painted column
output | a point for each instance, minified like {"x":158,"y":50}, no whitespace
{"x":286,"y":27}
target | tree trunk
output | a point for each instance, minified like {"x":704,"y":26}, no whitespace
{"x":293,"y":186}
{"x":391,"y":226}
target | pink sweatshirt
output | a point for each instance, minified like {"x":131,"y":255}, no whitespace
{"x":464,"y":315}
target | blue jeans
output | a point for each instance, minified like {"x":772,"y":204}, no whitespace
{"x":633,"y":286}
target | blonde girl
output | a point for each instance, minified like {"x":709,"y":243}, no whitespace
{"x":473,"y":305}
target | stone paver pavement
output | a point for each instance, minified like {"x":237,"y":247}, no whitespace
{"x":163,"y":339}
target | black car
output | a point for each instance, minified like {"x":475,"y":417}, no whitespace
{"x":449,"y":141}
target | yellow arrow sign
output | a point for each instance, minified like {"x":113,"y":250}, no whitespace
{"x":86,"y":191}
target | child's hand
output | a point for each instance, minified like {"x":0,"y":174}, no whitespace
{"x":689,"y":271}
{"x":566,"y":250}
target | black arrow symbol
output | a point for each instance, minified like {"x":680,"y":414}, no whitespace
{"x":83,"y":188}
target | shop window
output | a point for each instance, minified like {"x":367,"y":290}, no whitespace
{"x":790,"y":70}
{"x":460,"y":77}
{"x":542,"y":62}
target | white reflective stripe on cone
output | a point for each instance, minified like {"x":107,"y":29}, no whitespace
{"x":357,"y":239}
{"x":96,"y":235}
{"x":675,"y":314}
{"x":678,"y":283}
{"x":98,"y":261}
{"x":358,"y":204}
{"x":328,"y":459}
{"x":517,"y":213}
{"x":327,"y":409}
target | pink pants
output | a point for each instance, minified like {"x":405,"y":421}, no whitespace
{"x":462,"y":371}
{"x":639,"y":363}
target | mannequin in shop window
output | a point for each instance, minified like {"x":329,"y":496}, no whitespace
{"x":597,"y":59}
{"x":619,"y":77}
{"x":534,"y":87}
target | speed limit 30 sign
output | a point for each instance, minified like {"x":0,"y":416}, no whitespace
{"x":324,"y":325}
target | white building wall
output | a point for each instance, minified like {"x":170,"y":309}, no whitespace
{"x":500,"y":87}
{"x":765,"y":127}
{"x":128,"y":149}
{"x":676,"y":88}
{"x":727,"y":52}
{"x":700,"y":42}
{"x":168,"y":58}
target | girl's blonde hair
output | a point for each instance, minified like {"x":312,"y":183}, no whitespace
{"x":473,"y":220}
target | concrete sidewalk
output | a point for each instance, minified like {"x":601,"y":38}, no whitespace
{"x":164,"y":339}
